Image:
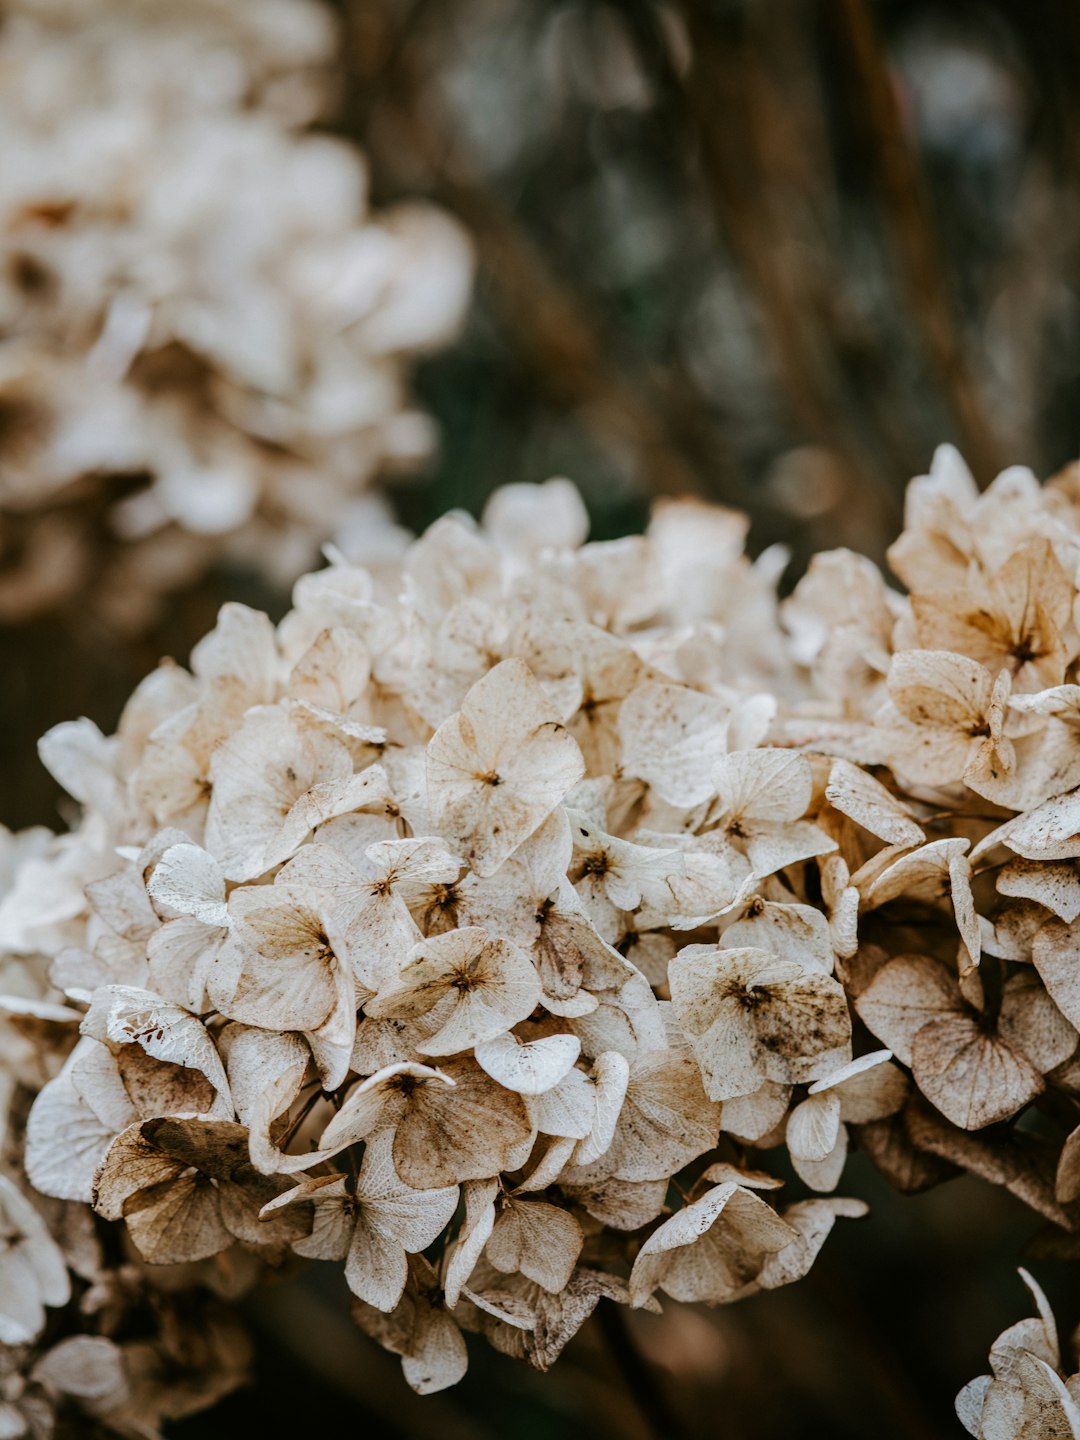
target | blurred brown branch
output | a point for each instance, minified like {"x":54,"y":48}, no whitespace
{"x":558,"y":336}
{"x":743,"y":134}
{"x":911,"y":230}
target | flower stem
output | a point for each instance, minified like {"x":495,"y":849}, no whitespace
{"x":641,"y":1381}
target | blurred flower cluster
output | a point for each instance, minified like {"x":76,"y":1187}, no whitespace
{"x":205,"y":331}
{"x":510,"y":921}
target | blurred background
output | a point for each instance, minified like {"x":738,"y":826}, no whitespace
{"x":898,"y":1311}
{"x":770,"y":252}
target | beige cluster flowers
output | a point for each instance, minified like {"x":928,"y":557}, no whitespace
{"x":1027,"y":1396}
{"x":486,"y":926}
{"x":205,"y":331}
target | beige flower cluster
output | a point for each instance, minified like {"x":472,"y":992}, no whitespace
{"x":205,"y":332}
{"x":486,"y":926}
{"x":1027,"y":1396}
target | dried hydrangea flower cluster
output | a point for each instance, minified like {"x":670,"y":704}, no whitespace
{"x":1027,"y":1396}
{"x":483,"y":927}
{"x":204,"y":330}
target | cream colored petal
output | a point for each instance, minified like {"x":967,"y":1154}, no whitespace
{"x":1053,"y":883}
{"x":1054,"y":954}
{"x":40,"y":1259}
{"x":125,"y":1015}
{"x":378,"y":1100}
{"x":567,"y":1109}
{"x":258,"y":775}
{"x":903,"y":996}
{"x":764,"y":784}
{"x":498,"y":768}
{"x":180,"y":958}
{"x":666,"y":1119}
{"x":824,"y":1174}
{"x":1031,"y":1022}
{"x":376,"y":1269}
{"x":939,"y":688}
{"x":813,"y":1127}
{"x":756,"y":1229}
{"x":621,"y":1204}
{"x":972,"y":1077}
{"x":1049,"y":832}
{"x":476,"y":1227}
{"x":750,"y":1117}
{"x":530,"y":1069}
{"x":610,"y":1080}
{"x":188,"y":881}
{"x":333,"y":1216}
{"x":278,"y":969}
{"x":394,"y":1210}
{"x":672,"y":738}
{"x":539,"y":1240}
{"x":866,"y":801}
{"x":797,"y":933}
{"x":67,"y":1138}
{"x":772,"y":845}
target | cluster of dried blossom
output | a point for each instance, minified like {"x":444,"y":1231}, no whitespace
{"x":484,"y":926}
{"x":205,"y":332}
{"x":1027,"y":1396}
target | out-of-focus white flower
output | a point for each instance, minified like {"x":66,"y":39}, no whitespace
{"x":204,"y":329}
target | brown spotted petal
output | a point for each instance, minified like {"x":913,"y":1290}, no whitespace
{"x":469,"y":987}
{"x":186,"y":1189}
{"x":449,"y":1125}
{"x":750,"y":1017}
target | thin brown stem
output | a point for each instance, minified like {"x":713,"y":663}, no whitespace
{"x":305,"y":1111}
{"x":738,"y":131}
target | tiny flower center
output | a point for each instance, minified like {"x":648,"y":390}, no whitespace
{"x":754,"y":998}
